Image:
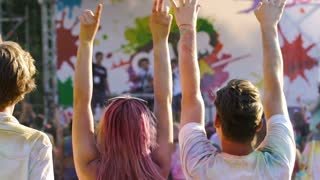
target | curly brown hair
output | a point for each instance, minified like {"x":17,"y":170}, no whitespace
{"x":17,"y":73}
{"x":239,"y":108}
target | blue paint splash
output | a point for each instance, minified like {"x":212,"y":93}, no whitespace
{"x":71,"y":4}
{"x":253,"y":6}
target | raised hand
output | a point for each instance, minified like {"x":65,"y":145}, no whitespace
{"x":186,"y":13}
{"x":269,"y":12}
{"x":89,"y":24}
{"x":83,"y":139}
{"x":160,"y":21}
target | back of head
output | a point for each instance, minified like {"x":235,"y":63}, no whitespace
{"x":126,"y":137}
{"x":240,"y":110}
{"x":17,"y":74}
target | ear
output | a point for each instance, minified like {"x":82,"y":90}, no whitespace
{"x":217,"y":122}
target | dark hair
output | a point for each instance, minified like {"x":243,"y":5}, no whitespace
{"x":17,"y":73}
{"x":240,"y":110}
{"x":99,"y":54}
{"x":174,"y":61}
{"x":142,"y":60}
{"x":38,"y":122}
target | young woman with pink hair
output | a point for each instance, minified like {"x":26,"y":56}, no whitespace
{"x":131,"y":142}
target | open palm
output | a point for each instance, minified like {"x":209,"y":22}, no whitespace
{"x":269,"y":13}
{"x":160,"y":21}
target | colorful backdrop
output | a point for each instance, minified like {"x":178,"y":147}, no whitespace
{"x":228,"y":38}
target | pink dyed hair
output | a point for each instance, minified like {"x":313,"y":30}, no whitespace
{"x":126,"y":137}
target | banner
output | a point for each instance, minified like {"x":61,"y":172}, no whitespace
{"x":229,"y":44}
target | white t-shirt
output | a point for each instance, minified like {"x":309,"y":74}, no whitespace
{"x":274,"y":159}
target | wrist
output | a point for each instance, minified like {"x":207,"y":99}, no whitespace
{"x":87,"y":42}
{"x":269,"y":31}
{"x":183,"y":27}
{"x":268,"y":27}
{"x":161,"y":40}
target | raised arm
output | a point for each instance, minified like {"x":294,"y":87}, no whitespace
{"x":83,"y":139}
{"x":160,"y":23}
{"x":269,"y":15}
{"x":192,"y":106}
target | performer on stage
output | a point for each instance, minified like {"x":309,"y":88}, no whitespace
{"x":100,"y":82}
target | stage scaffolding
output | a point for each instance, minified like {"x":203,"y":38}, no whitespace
{"x":49,"y":57}
{"x":18,"y":21}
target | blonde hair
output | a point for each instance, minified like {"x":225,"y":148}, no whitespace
{"x":17,"y":73}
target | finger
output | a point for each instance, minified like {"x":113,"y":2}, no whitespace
{"x":277,"y":2}
{"x":273,"y":2}
{"x":88,"y":18}
{"x":170,"y":17}
{"x":194,"y":2}
{"x":259,"y":6}
{"x":173,"y":4}
{"x":167,"y":10}
{"x":198,"y":8}
{"x":89,"y":13}
{"x":85,"y":20}
{"x":82,"y":20}
{"x":181,"y":3}
{"x":161,"y":5}
{"x":154,"y":7}
{"x":282,"y":3}
{"x":98,"y":11}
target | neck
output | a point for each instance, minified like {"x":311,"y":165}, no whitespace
{"x":235,"y":148}
{"x":8,"y":110}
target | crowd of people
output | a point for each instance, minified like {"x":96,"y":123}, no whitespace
{"x":250,"y":138}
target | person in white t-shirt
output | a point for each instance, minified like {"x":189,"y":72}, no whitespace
{"x":239,"y":109}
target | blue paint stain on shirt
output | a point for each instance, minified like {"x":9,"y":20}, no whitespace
{"x":71,"y":4}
